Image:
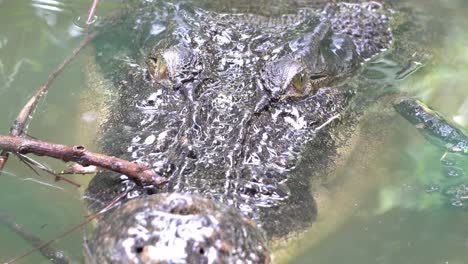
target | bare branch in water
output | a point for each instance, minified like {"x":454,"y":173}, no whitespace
{"x":138,"y":172}
{"x":23,"y":116}
{"x":18,"y":126}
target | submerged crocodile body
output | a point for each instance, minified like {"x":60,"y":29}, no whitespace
{"x":226,"y":106}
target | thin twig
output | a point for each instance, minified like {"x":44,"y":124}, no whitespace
{"x":73,"y":228}
{"x":444,"y":156}
{"x":18,"y":126}
{"x":32,"y":162}
{"x":27,"y":164}
{"x":29,"y":136}
{"x":91,"y":12}
{"x":327,"y":122}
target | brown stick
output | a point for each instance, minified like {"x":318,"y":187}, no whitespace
{"x":23,"y":115}
{"x":18,"y":126}
{"x":137,"y":172}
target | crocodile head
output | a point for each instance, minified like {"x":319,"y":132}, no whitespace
{"x":226,"y":105}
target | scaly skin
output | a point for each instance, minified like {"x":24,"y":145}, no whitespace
{"x":226,"y":106}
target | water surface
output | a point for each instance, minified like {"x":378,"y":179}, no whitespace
{"x":376,"y":209}
{"x":392,"y":206}
{"x":35,"y":37}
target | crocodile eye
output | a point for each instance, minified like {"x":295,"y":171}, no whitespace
{"x":304,"y":84}
{"x":157,"y":67}
{"x":299,"y":82}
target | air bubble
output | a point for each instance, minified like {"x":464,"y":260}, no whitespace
{"x":448,"y":162}
{"x":80,"y":21}
{"x":432,"y":188}
{"x":453,"y":172}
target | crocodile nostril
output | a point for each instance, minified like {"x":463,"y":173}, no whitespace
{"x":138,"y":250}
{"x":185,"y":210}
{"x":201,"y":250}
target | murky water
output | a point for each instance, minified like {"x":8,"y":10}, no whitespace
{"x":377,"y":209}
{"x":393,"y":207}
{"x":35,"y":37}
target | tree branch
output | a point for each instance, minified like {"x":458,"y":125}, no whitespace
{"x":23,"y":115}
{"x":137,"y":172}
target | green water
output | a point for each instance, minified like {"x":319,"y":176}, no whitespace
{"x":376,"y":209}
{"x":35,"y":37}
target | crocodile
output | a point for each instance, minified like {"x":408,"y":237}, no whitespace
{"x":228,"y":107}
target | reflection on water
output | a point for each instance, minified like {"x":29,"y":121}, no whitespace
{"x":394,"y":207}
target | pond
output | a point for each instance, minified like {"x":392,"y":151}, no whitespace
{"x":388,"y":204}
